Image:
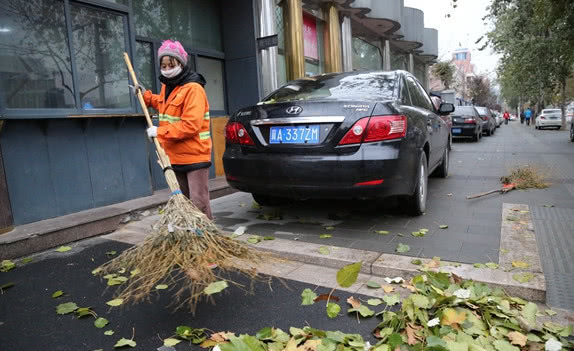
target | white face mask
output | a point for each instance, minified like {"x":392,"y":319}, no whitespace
{"x":170,"y":73}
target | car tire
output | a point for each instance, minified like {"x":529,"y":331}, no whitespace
{"x":558,"y":128}
{"x":535,"y":127}
{"x":417,"y":202}
{"x":572,"y":133}
{"x":476,"y":137}
{"x":268,"y":200}
{"x":442,"y":170}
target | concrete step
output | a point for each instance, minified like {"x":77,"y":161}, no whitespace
{"x":33,"y":237}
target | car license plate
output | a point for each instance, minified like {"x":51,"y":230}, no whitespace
{"x":294,"y":135}
{"x":456,"y":131}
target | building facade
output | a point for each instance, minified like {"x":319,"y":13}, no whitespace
{"x":72,"y":137}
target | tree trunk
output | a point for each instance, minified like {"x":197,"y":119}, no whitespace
{"x":563,"y":101}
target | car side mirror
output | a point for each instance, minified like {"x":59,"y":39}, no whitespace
{"x":446,"y":108}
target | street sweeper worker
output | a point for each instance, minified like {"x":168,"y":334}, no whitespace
{"x":184,"y":128}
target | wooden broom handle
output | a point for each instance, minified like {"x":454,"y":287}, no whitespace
{"x":139,"y":93}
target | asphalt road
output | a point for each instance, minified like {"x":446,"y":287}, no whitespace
{"x":28,"y":318}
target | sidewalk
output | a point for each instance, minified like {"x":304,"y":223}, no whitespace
{"x":34,"y":237}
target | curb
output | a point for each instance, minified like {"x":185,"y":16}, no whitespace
{"x":521,"y":238}
{"x":39,"y":236}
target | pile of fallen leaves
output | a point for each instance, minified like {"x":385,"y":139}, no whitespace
{"x":525,"y":178}
{"x":444,"y":312}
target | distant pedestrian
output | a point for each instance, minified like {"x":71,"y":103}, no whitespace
{"x":521,"y":117}
{"x":527,"y":116}
{"x":506,"y":117}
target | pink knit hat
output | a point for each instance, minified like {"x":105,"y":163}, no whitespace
{"x":174,"y":49}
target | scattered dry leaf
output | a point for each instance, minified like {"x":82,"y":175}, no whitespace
{"x":517,"y":338}
{"x":452,"y":317}
{"x":388,"y":289}
{"x":354,"y":302}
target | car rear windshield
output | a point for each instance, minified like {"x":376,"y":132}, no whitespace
{"x":463,"y":111}
{"x":483,"y":111}
{"x":354,"y":86}
{"x":551,"y":111}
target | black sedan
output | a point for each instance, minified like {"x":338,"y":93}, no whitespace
{"x":466,"y":122}
{"x":488,"y":122}
{"x":350,"y":135}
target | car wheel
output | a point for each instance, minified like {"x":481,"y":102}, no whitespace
{"x":476,"y":137}
{"x":572,"y":133}
{"x":558,"y":128}
{"x":417,"y":202}
{"x":535,"y":127}
{"x":268,"y":200}
{"x":442,"y":170}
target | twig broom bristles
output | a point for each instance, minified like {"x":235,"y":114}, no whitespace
{"x":183,"y":246}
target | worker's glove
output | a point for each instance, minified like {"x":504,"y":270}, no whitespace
{"x":135,"y":88}
{"x":152,"y":132}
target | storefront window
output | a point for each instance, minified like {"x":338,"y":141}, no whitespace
{"x":99,"y":44}
{"x":399,"y":59}
{"x":194,"y":23}
{"x":366,"y":56}
{"x":35,"y":68}
{"x":314,"y":48}
{"x":420,"y":72}
{"x":212,"y":71}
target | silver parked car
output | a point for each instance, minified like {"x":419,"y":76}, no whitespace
{"x":549,"y":118}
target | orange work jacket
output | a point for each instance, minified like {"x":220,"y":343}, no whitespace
{"x":183,"y":123}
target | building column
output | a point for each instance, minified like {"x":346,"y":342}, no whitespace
{"x":267,"y":27}
{"x":333,"y":57}
{"x":386,"y":55}
{"x":294,"y":54}
{"x":347,"y":44}
{"x":412,"y":63}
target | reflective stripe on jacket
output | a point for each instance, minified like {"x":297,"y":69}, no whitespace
{"x":183,"y":123}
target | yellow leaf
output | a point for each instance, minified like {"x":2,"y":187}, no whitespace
{"x":520,"y":264}
{"x":291,"y":345}
{"x":517,"y":338}
{"x":388,"y":289}
{"x":354,"y":302}
{"x":207,"y":344}
{"x":452,"y":317}
{"x":310,"y":345}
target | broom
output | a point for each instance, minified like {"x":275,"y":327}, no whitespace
{"x":183,"y":248}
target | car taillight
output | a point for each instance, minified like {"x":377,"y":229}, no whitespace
{"x":469,"y":120}
{"x":355,"y":134}
{"x":376,"y":128}
{"x":235,"y":133}
{"x":484,"y":118}
{"x":542,"y":117}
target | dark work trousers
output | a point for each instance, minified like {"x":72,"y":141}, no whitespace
{"x":527,"y":121}
{"x":194,"y":185}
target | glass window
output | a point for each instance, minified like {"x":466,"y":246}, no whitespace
{"x":121,"y":2}
{"x":350,"y":86}
{"x":314,"y":48}
{"x":144,"y":65}
{"x":416,"y":97}
{"x":405,"y":98}
{"x":99,"y":44}
{"x":212,"y":71}
{"x":194,"y":23}
{"x":427,"y":102}
{"x":366,"y":56}
{"x":35,"y":69}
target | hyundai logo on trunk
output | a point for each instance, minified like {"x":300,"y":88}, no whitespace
{"x":294,"y":110}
